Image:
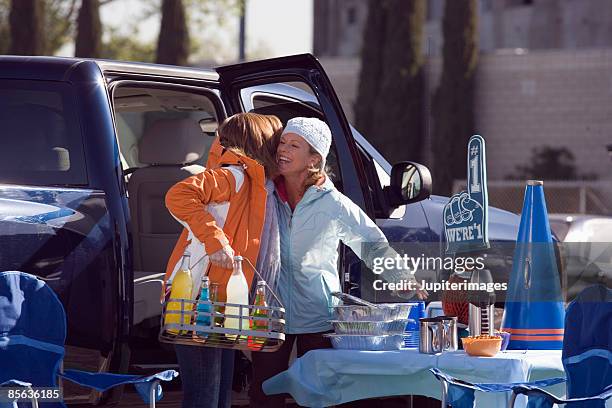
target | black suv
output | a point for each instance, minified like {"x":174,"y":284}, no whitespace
{"x":89,"y":148}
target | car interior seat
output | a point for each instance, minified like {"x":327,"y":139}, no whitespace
{"x":168,"y":148}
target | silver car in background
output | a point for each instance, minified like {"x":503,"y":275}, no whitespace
{"x":586,"y":250}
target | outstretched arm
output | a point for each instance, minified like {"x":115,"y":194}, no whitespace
{"x":363,"y":236}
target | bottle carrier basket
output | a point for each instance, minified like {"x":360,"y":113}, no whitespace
{"x":195,"y":333}
{"x":188,"y":329}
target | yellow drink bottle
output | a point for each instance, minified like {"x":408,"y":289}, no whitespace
{"x":181,"y":289}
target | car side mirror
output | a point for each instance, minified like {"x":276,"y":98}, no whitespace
{"x":410,"y":182}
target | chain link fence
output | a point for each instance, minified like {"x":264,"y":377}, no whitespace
{"x":567,"y":197}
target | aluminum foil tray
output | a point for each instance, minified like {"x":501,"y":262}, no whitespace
{"x":369,"y":328}
{"x":370,"y":343}
{"x":383,"y":313}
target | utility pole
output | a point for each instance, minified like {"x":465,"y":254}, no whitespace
{"x":242,"y":34}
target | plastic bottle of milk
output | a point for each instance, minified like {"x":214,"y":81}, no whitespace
{"x":237,"y":293}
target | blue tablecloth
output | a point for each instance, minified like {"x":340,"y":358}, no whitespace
{"x":329,"y":377}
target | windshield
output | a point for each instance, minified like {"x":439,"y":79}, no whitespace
{"x":40,"y":134}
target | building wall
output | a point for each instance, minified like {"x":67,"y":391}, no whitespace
{"x":590,"y":23}
{"x":554,"y":98}
{"x":537,"y":24}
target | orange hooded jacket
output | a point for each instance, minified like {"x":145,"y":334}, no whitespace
{"x":189,"y":202}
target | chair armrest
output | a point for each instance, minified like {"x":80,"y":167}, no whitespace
{"x":23,"y":384}
{"x":455,"y":390}
{"x":531,"y":391}
{"x":147,"y":386}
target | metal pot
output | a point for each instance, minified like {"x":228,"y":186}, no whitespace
{"x":430,"y":331}
{"x":450,"y":340}
{"x":438,"y":334}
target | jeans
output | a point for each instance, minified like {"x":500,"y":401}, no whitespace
{"x":266,"y":365}
{"x":206,"y":374}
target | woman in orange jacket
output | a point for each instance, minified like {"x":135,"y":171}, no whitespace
{"x":223,"y":210}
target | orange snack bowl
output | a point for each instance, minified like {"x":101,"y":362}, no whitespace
{"x":482,"y":347}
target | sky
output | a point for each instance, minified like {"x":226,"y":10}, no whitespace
{"x":273,"y":27}
{"x":285,"y":26}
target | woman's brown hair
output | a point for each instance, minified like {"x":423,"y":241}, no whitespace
{"x":252,"y":135}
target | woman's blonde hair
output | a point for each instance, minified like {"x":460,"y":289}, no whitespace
{"x":252,"y":135}
{"x":316,"y":172}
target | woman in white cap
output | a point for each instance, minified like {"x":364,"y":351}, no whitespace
{"x":314,"y":217}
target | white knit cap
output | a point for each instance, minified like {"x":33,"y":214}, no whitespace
{"x":314,"y":131}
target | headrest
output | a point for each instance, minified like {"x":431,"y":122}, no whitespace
{"x":172,"y":141}
{"x":53,"y":159}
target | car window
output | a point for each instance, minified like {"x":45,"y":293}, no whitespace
{"x":384,"y":179}
{"x":41,"y":142}
{"x":274,"y":100}
{"x":267,"y":102}
{"x":383,"y":170}
{"x":374,"y":184}
{"x":137,"y":108}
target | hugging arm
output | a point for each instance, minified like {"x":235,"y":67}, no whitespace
{"x":187,"y":201}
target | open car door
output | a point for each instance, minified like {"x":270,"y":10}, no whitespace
{"x":301,"y":71}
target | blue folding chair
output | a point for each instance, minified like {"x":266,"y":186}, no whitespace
{"x":539,"y":398}
{"x":587,"y":360}
{"x":460,"y":394}
{"x":32,"y":336}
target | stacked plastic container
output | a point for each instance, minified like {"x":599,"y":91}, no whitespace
{"x":411,"y":333}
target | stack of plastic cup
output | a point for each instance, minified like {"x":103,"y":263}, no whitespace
{"x":411,"y":333}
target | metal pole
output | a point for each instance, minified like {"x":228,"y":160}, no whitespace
{"x":33,"y":398}
{"x":242,"y":34}
{"x":512,"y":400}
{"x":443,"y":402}
{"x":583,"y":199}
{"x":153,"y":393}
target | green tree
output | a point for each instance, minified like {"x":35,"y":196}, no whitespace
{"x":56,"y":17}
{"x":88,"y":41}
{"x":211,"y":19}
{"x":206,"y":17}
{"x":59,"y":22}
{"x":5,"y":30}
{"x":550,"y":163}
{"x":371,"y":67}
{"x":122,"y":42}
{"x":127,"y":47}
{"x":173,"y":40}
{"x":26,"y":20}
{"x":390,"y":101}
{"x":453,"y":101}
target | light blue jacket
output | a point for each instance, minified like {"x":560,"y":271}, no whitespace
{"x":309,"y":238}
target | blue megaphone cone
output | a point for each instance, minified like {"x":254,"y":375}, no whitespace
{"x":534,"y":312}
